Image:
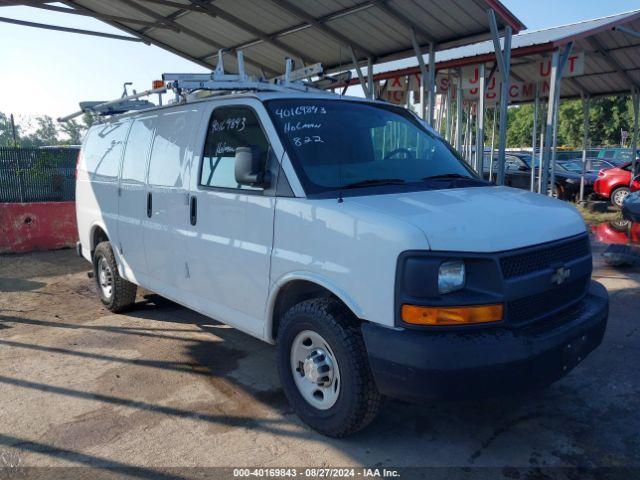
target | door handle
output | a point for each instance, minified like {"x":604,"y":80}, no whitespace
{"x":193,"y":210}
{"x":149,"y":204}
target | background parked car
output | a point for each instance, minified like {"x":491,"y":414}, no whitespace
{"x":613,"y":184}
{"x":593,"y":164}
{"x":619,"y":154}
{"x":518,"y":175}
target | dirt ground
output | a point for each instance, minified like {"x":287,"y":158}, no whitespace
{"x":162,"y":386}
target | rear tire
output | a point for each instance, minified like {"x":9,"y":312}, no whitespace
{"x":116,"y":293}
{"x":327,"y":329}
{"x":618,"y":195}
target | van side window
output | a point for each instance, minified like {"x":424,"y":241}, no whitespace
{"x":230,"y":128}
{"x":134,"y":164}
{"x":171,"y":146}
{"x":103,"y":150}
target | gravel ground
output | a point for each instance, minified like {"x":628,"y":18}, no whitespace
{"x":162,"y":386}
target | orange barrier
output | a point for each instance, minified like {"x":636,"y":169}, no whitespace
{"x":25,"y":227}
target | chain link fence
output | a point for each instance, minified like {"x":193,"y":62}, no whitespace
{"x":37,"y":174}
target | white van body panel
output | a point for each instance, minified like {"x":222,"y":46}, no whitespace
{"x":229,"y":249}
{"x":165,"y":232}
{"x":97,"y":181}
{"x":345,"y":247}
{"x":133,"y":197}
{"x":481,"y":219}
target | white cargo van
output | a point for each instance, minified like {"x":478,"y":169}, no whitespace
{"x":348,"y":234}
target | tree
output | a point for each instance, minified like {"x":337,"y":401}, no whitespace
{"x":89,"y":119}
{"x":46,"y":133}
{"x":6,"y":131}
{"x":74,"y":130}
{"x":520,"y":125}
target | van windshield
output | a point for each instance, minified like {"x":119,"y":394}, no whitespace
{"x":349,"y":145}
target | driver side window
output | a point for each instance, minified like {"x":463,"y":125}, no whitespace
{"x":230,"y":128}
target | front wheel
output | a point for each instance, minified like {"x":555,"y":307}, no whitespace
{"x":324,"y":369}
{"x":618,"y":196}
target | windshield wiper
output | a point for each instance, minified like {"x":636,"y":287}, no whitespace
{"x":374,"y":181}
{"x":448,"y":175}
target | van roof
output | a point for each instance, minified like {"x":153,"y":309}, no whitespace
{"x":261,"y":96}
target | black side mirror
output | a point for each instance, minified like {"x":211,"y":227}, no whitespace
{"x":248,"y":169}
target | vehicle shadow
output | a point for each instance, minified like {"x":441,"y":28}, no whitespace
{"x":508,"y":430}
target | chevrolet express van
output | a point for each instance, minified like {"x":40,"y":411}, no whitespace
{"x":350,"y":235}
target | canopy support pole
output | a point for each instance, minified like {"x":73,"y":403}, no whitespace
{"x":447,"y":127}
{"x":423,"y":74}
{"x":470,"y":134}
{"x":371,"y":86}
{"x":363,"y":83}
{"x":585,"y":142}
{"x":503,"y":57}
{"x":558,"y":62}
{"x":493,"y":141}
{"x":534,"y":133}
{"x":480,"y":121}
{"x":635,"y":97}
{"x":432,"y":82}
{"x":459,"y":112}
{"x":541,"y":147}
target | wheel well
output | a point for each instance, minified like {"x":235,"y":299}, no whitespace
{"x":292,"y":293}
{"x":98,"y":235}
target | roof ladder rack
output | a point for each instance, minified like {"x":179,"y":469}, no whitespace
{"x":186,"y":84}
{"x":219,"y":80}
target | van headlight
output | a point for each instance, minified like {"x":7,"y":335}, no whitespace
{"x":451,"y":276}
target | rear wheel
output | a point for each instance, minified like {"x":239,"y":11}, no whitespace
{"x":115,"y":292}
{"x":618,"y":196}
{"x":324,"y":369}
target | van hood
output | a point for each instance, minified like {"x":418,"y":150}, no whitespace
{"x":480,"y":219}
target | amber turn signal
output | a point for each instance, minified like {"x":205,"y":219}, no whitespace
{"x":418,"y":315}
{"x":157,"y":84}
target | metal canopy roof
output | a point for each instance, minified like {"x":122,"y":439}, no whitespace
{"x":309,"y":31}
{"x":612,"y":56}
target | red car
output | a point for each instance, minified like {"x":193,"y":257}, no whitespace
{"x":613,"y":183}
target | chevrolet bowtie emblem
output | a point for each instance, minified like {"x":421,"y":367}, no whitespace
{"x":560,"y":275}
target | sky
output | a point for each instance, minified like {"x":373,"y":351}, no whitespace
{"x":47,"y":73}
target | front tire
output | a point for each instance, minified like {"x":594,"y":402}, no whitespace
{"x":324,"y":369}
{"x":116,"y":293}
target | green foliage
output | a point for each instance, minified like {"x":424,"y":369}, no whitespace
{"x":45,"y":131}
{"x":6,"y":132}
{"x":45,"y":134}
{"x":520,"y":125}
{"x":607,"y":117}
{"x":74,"y":131}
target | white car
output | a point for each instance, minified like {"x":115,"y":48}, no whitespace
{"x":348,"y":234}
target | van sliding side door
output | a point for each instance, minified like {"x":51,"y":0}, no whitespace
{"x":165,"y":204}
{"x":132,"y":197}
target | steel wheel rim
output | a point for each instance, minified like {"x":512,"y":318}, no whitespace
{"x":315,"y":370}
{"x":105,"y":277}
{"x":619,"y":197}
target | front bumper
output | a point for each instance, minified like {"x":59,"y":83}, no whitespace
{"x":414,"y":365}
